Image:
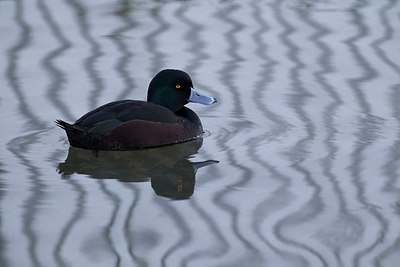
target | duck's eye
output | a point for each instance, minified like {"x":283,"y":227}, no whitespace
{"x":177,"y":86}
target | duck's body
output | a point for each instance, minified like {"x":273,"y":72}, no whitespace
{"x":133,"y":124}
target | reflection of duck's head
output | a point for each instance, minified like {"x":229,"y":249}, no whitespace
{"x":132,"y":124}
{"x":178,"y":182}
{"x":172,"y":174}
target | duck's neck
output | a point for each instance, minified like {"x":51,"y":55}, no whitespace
{"x":189,"y":114}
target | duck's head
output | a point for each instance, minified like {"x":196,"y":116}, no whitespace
{"x":173,"y":89}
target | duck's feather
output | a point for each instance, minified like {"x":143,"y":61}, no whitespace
{"x":126,"y":110}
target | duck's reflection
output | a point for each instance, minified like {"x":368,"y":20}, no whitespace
{"x":168,"y":168}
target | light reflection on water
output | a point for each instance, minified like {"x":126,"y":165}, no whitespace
{"x":306,"y":132}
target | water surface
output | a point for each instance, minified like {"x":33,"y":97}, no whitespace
{"x":299,"y":165}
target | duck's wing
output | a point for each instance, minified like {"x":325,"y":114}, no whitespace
{"x":95,"y":115}
{"x":126,"y":110}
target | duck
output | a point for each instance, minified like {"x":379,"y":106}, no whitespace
{"x":134,"y":124}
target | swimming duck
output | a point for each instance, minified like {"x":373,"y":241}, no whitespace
{"x":133,"y":124}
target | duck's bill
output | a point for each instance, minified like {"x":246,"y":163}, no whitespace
{"x":202,"y":99}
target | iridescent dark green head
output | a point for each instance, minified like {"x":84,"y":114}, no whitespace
{"x":173,"y":89}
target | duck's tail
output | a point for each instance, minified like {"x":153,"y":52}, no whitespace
{"x":63,"y":125}
{"x":70,"y":129}
{"x":79,"y":137}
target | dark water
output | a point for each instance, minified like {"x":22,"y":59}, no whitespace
{"x":299,"y":165}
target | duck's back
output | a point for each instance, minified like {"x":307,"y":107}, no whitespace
{"x":126,"y":110}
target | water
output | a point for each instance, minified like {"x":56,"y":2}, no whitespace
{"x":299,"y":165}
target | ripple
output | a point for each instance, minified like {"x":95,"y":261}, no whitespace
{"x":306,"y":135}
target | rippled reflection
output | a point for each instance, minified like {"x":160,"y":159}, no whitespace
{"x":168,"y":168}
{"x":306,"y":132}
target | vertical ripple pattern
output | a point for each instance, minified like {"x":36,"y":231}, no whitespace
{"x":306,"y":131}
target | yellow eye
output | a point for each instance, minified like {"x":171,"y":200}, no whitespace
{"x":178,"y":86}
